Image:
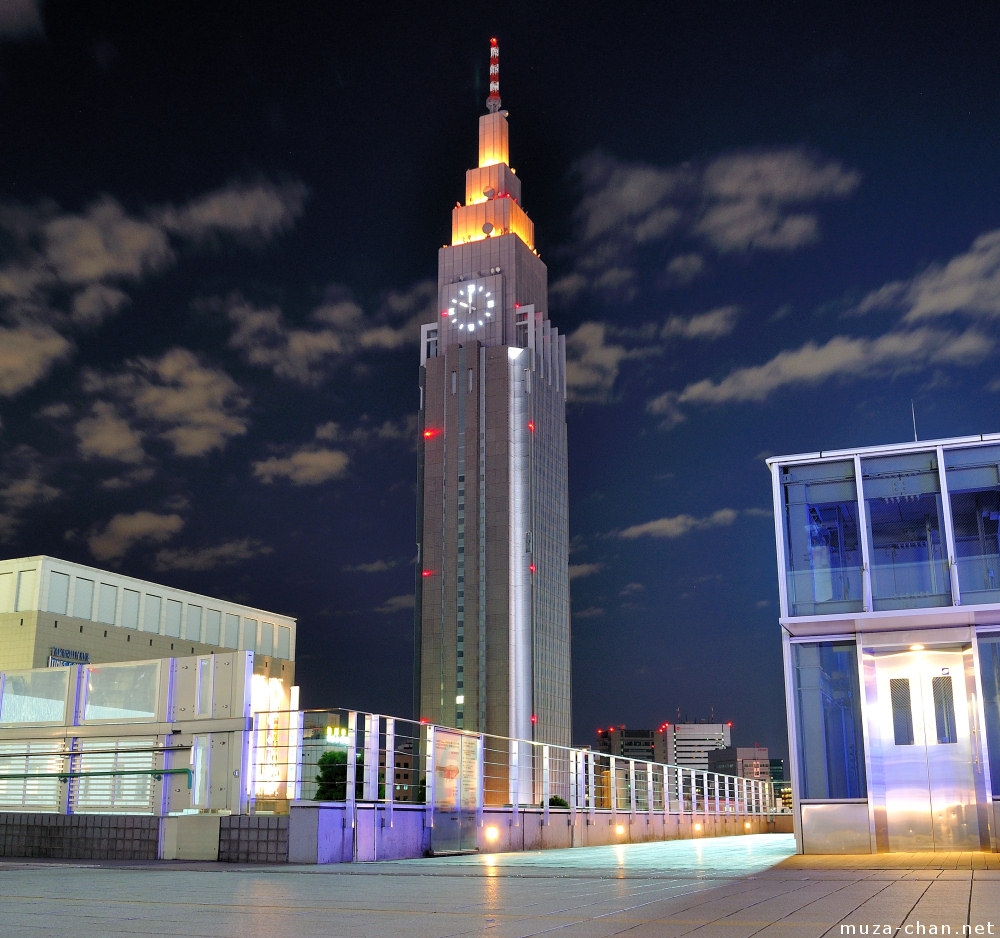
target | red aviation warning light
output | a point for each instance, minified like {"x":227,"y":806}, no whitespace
{"x":493,"y":101}
{"x":426,"y":573}
{"x":431,"y":432}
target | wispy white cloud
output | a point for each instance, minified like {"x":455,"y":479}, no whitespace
{"x":226,"y":554}
{"x":24,"y":486}
{"x":176,"y":398}
{"x":125,"y":531}
{"x":579,"y":570}
{"x":28,"y":353}
{"x":376,"y":566}
{"x":308,"y":466}
{"x":742,"y":202}
{"x":396,"y":604}
{"x":714,"y":324}
{"x":894,"y":352}
{"x":677,"y":526}
{"x":593,"y":361}
{"x":968,"y":285}
{"x":252,"y":212}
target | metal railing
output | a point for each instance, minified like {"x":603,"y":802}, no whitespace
{"x":351,"y":756}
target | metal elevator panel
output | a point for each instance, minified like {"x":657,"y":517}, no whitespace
{"x":922,"y":748}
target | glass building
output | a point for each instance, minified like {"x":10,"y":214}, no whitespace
{"x":492,"y":632}
{"x":889,"y":583}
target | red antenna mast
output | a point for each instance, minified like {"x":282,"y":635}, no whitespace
{"x":493,"y":101}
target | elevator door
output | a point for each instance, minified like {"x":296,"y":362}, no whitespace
{"x":926,"y":750}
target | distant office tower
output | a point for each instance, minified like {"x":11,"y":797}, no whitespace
{"x":744,"y":761}
{"x":492,"y":633}
{"x":689,"y":744}
{"x":631,"y":744}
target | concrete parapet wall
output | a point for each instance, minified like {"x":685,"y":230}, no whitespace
{"x":327,"y":833}
{"x":79,"y":836}
{"x":259,"y":838}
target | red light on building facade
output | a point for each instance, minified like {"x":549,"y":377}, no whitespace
{"x":431,"y":433}
{"x":427,"y":573}
{"x":531,"y":425}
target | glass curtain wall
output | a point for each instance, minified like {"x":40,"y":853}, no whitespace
{"x":973,"y":477}
{"x":828,"y":720}
{"x":909,"y":566}
{"x":822,"y":546}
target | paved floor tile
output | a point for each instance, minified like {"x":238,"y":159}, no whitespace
{"x":734,"y":887}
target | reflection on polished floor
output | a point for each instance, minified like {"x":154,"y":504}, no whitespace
{"x":734,"y":887}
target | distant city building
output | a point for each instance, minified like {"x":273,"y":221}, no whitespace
{"x":630,"y":744}
{"x":744,"y":761}
{"x":492,"y":628}
{"x":55,"y":613}
{"x":686,"y":744}
{"x":689,"y":744}
{"x":889,"y":588}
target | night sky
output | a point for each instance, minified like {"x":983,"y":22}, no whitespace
{"x":769,"y":228}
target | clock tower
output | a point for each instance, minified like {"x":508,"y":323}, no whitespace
{"x":492,"y":626}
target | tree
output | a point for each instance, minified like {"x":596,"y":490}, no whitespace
{"x":332,"y":777}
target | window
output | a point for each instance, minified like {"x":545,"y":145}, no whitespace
{"x":213,"y":627}
{"x":83,"y":599}
{"x":172,"y":625}
{"x":909,"y":565}
{"x":107,"y":601}
{"x":989,"y":665}
{"x":151,"y":618}
{"x":902,"y":711}
{"x":130,"y":609}
{"x":827,"y":702}
{"x":973,"y":477}
{"x":192,"y":624}
{"x":822,"y":546}
{"x":58,"y":592}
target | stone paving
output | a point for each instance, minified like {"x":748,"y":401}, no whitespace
{"x":731,"y":887}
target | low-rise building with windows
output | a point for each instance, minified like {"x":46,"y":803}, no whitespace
{"x":53,"y":612}
{"x":889,"y":585}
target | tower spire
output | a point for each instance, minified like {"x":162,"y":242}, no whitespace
{"x":493,"y":101}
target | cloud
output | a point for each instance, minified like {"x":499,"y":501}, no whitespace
{"x":711,"y":325}
{"x":123,"y":532}
{"x":107,"y":435}
{"x":212,"y":558}
{"x":895,"y":352}
{"x":310,"y":466}
{"x":97,"y":302}
{"x":337,"y":331}
{"x":396,"y":604}
{"x":748,"y":201}
{"x":578,"y":570}
{"x":593,"y":362}
{"x":247,"y":212}
{"x":175,"y":398}
{"x":264,"y":340}
{"x":23,"y":487}
{"x":21,"y":19}
{"x":104,"y":242}
{"x":679,"y":525}
{"x":592,"y":612}
{"x":28,"y":353}
{"x":376,"y":566}
{"x":968,"y":285}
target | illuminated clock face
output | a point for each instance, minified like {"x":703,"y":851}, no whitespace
{"x":471,"y":306}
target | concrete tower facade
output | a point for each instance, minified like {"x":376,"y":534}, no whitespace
{"x":492,"y":631}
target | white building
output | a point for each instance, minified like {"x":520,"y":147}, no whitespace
{"x":53,"y":612}
{"x":689,"y":744}
{"x":889,"y":585}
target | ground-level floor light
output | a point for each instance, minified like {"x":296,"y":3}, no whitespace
{"x":492,"y":833}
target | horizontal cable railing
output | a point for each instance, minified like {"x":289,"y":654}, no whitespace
{"x":351,"y":756}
